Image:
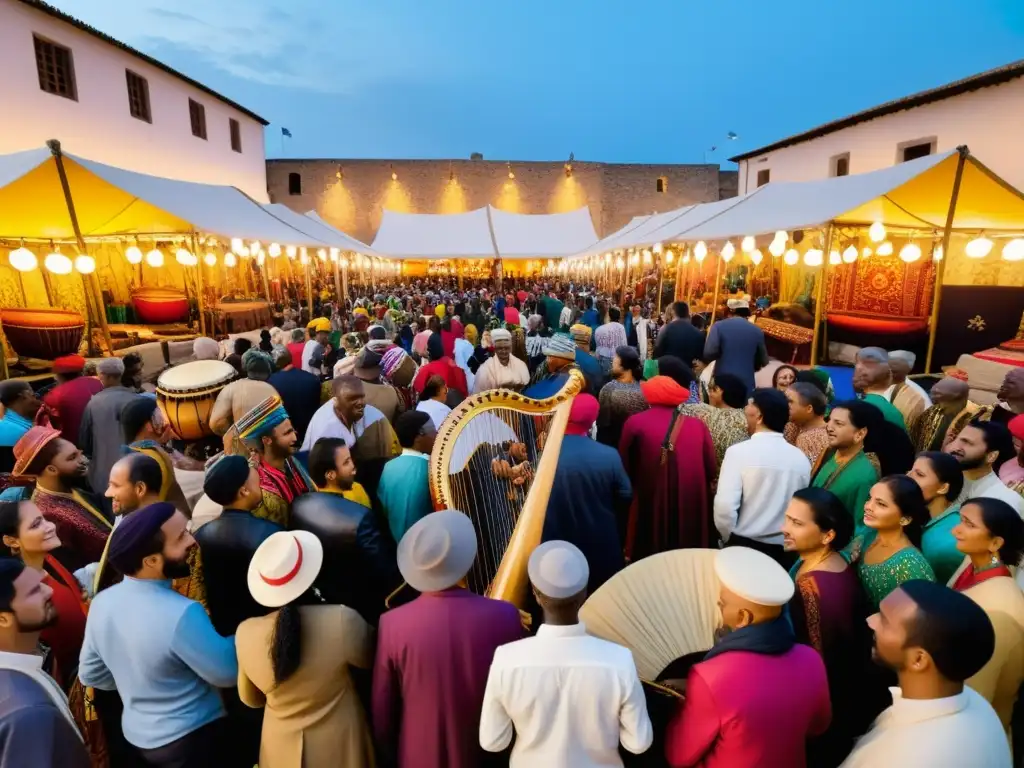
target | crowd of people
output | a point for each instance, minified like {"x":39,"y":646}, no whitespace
{"x":285,"y":594}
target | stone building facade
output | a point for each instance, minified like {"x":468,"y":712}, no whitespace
{"x":351,"y":194}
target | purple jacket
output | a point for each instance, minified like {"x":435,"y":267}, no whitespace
{"x":433,"y":657}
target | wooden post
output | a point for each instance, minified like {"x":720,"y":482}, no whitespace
{"x":94,"y":281}
{"x":337,"y":283}
{"x":718,"y":284}
{"x":309,"y":291}
{"x":344,"y":285}
{"x":199,"y":286}
{"x":661,"y":279}
{"x":940,"y":268}
{"x":821,"y":295}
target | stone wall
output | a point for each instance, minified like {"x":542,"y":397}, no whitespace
{"x":351,"y":194}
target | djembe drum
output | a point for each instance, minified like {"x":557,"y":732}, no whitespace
{"x":45,"y":334}
{"x":159,"y":306}
{"x":186,"y":394}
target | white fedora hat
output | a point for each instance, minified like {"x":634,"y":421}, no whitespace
{"x":284,"y":567}
{"x":437,"y":551}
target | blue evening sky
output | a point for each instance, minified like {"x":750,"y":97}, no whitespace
{"x":612,"y":80}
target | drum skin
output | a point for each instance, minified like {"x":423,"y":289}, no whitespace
{"x":45,"y":334}
{"x":188,"y":408}
{"x":159,"y":306}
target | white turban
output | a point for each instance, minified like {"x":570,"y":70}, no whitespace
{"x":500,"y":334}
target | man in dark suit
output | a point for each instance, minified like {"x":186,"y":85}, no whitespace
{"x":679,"y":338}
{"x":737,"y":345}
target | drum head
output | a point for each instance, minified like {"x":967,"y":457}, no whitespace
{"x":197,"y":374}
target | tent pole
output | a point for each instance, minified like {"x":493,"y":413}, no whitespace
{"x":337,"y":283}
{"x":718,"y":285}
{"x":93,"y":281}
{"x":940,"y":268}
{"x":661,"y":279}
{"x":344,"y":285}
{"x":199,"y":286}
{"x":820,"y":294}
{"x":309,"y":292}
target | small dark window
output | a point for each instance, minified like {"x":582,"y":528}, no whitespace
{"x":236,"y":134}
{"x":841,"y":166}
{"x":763,"y":177}
{"x":294,"y":184}
{"x":662,"y":184}
{"x":914,"y":151}
{"x":56,"y":69}
{"x":138,"y":96}
{"x":197,"y":114}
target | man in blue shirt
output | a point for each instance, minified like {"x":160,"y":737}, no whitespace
{"x":20,"y":407}
{"x":157,"y":648}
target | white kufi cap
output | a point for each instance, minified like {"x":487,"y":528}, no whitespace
{"x":558,"y":569}
{"x":753,"y":576}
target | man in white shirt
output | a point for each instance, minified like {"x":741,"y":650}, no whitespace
{"x":363,"y":428}
{"x":569,"y":698}
{"x":758,"y":478}
{"x":934,"y":639}
{"x":315,"y":349}
{"x":432,"y":400}
{"x":981,"y":448}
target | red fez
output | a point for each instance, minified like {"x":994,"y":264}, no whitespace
{"x":69,"y":364}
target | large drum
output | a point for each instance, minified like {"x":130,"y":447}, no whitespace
{"x":45,"y":334}
{"x":159,"y":306}
{"x":186,"y":394}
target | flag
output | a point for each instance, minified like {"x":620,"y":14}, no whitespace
{"x":286,"y":132}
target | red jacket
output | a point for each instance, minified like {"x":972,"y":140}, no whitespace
{"x":750,"y":710}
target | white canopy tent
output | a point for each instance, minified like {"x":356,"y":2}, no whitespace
{"x":316,"y":228}
{"x":486,"y":233}
{"x":352,"y":244}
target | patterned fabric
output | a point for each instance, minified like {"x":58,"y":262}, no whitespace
{"x":883,"y":286}
{"x":81,"y":526}
{"x":934,"y":429}
{"x":879,"y":579}
{"x":727,"y":426}
{"x":618,"y":402}
{"x":280,"y":489}
{"x":261,"y":419}
{"x":812,"y":442}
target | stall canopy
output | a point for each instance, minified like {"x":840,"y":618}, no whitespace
{"x":355,"y":245}
{"x":486,"y":233}
{"x":112,"y":201}
{"x":913,"y":195}
{"x":317,"y":228}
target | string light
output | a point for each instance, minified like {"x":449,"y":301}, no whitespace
{"x":728,"y":251}
{"x":814,"y":257}
{"x":210,"y":259}
{"x":884,"y":249}
{"x":876,"y":232}
{"x":133,"y":254}
{"x":274,"y":250}
{"x":58,"y":263}
{"x":748,"y":244}
{"x":23,"y":259}
{"x":85,"y":264}
{"x":1014,"y":250}
{"x":979,"y":247}
{"x":792,"y":257}
{"x":850,"y":254}
{"x":910,"y":253}
{"x":155,"y":258}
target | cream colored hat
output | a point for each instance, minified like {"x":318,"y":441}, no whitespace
{"x":558,"y":569}
{"x":437,"y":551}
{"x":284,"y":567}
{"x":753,"y":576}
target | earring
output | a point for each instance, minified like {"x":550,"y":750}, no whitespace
{"x":995,"y":559}
{"x":904,"y":521}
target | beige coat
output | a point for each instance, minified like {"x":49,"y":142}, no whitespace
{"x":314,"y":718}
{"x":1001,"y":678}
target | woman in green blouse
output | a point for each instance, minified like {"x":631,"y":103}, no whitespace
{"x":941,"y":481}
{"x":886,"y":554}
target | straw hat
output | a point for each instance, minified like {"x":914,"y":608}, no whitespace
{"x":284,"y":567}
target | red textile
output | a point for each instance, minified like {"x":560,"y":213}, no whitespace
{"x":448,"y":343}
{"x":882,"y":287}
{"x":671,"y":505}
{"x":453,"y":376}
{"x":287,"y":484}
{"x":582,"y":414}
{"x":891,"y":325}
{"x":968,"y":578}
{"x":66,"y":635}
{"x":295,"y":350}
{"x":67,"y":403}
{"x":727,"y":721}
{"x":83,"y":532}
{"x":458,"y":331}
{"x":1006,"y":357}
{"x":662,"y":390}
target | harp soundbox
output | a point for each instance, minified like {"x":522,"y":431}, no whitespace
{"x":494,"y":460}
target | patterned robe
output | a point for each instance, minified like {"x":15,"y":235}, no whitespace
{"x":934,"y":429}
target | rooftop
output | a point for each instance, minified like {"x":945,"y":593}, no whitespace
{"x":58,"y":14}
{"x":996,"y":76}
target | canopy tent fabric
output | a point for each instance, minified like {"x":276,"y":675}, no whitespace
{"x":531,"y":236}
{"x":913,"y":195}
{"x":486,"y":233}
{"x":112,"y":201}
{"x":316,"y":228}
{"x":355,"y":245}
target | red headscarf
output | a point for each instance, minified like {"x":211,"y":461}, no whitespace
{"x":582,"y":414}
{"x":1016,"y":426}
{"x":662,"y":390}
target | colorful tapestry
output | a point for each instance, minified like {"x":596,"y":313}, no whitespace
{"x":883,"y":286}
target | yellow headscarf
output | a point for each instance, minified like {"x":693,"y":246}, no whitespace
{"x":470,"y":333}
{"x":440,"y":311}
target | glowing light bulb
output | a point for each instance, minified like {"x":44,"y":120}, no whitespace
{"x":23,"y":260}
{"x":937,"y":253}
{"x":155,"y":258}
{"x":850,"y":254}
{"x":261,"y":257}
{"x":133,"y":254}
{"x":884,"y":249}
{"x":877,"y":232}
{"x":185,"y":258}
{"x":748,"y":244}
{"x":782,"y":236}
{"x":58,"y":263}
{"x":834,"y":257}
{"x":669,"y":256}
{"x":210,"y":260}
{"x":334,"y":255}
{"x":910,"y":253}
{"x":304,"y":257}
{"x":255,"y":247}
{"x":777,"y":247}
{"x":647,"y":257}
{"x":236,"y":244}
{"x":792,"y":257}
{"x":658,"y":248}
{"x":700,"y":251}
{"x":866,"y":252}
{"x":321,"y":254}
{"x":728,"y":251}
{"x":979,"y":247}
{"x":756,"y":256}
{"x":290,"y":251}
{"x":230,"y":260}
{"x":274,"y":250}
{"x":85,"y":264}
{"x":1014,"y":250}
{"x":814,"y":257}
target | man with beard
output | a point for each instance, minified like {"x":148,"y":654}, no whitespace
{"x":843,"y":467}
{"x":59,"y":470}
{"x":268,"y":432}
{"x":981,"y":448}
{"x":504,"y":370}
{"x":36,"y":726}
{"x":725,"y":721}
{"x":551,"y":375}
{"x":359,"y":564}
{"x":934,"y":639}
{"x":159,"y":649}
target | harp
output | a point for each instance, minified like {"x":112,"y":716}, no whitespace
{"x":494,"y":460}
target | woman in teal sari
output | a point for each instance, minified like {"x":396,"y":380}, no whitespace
{"x":886,"y":554}
{"x":941,"y":481}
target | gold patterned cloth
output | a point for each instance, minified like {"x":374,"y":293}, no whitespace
{"x":727,"y":426}
{"x":935,"y":429}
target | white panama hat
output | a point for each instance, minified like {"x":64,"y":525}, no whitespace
{"x":284,"y":567}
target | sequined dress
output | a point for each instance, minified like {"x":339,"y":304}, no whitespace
{"x":879,"y":579}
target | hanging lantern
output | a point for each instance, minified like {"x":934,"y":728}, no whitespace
{"x":792,"y":257}
{"x":782,"y":236}
{"x":865,"y":252}
{"x":304,"y":257}
{"x":210,"y":259}
{"x":334,"y":255}
{"x":230,"y":260}
{"x":979,"y":247}
{"x":236,"y":244}
{"x":834,"y":257}
{"x":133,"y":254}
{"x":748,"y":244}
{"x":343,"y":262}
{"x":155,"y":258}
{"x":777,"y":247}
{"x":619,"y":265}
{"x":850,"y":254}
{"x":23,"y":260}
{"x":184,"y":257}
{"x":261,"y":257}
{"x":255,"y":247}
{"x":274,"y":250}
{"x":884,"y":249}
{"x":814,"y":257}
{"x":647,"y":257}
{"x":85,"y":264}
{"x":700,"y":251}
{"x":1014,"y":250}
{"x":290,"y":251}
{"x":657,"y":247}
{"x":756,"y":256}
{"x":728,"y":251}
{"x":58,"y":263}
{"x":686,"y":258}
{"x":669,"y":256}
{"x":910,"y":253}
{"x":321,"y":254}
{"x":876,"y":232}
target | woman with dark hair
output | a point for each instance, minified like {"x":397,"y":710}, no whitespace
{"x":991,"y":534}
{"x":723,"y":413}
{"x":828,"y":611}
{"x":620,"y":398}
{"x":295,"y":661}
{"x":941,"y":479}
{"x":886,"y":553}
{"x":784,"y":376}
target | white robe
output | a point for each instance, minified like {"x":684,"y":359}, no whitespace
{"x":493,"y":375}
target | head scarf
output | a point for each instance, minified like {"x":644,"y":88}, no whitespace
{"x":825,"y":381}
{"x":435,"y":347}
{"x":28,"y":447}
{"x":135,"y":531}
{"x":439,"y":310}
{"x":69,"y":364}
{"x":511,"y":315}
{"x":205,"y":348}
{"x":661,"y":390}
{"x":471,"y":334}
{"x":650,"y":368}
{"x":582,"y":414}
{"x":560,"y":346}
{"x":581,"y":335}
{"x":261,"y":419}
{"x":360,"y":311}
{"x":1016,"y":426}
